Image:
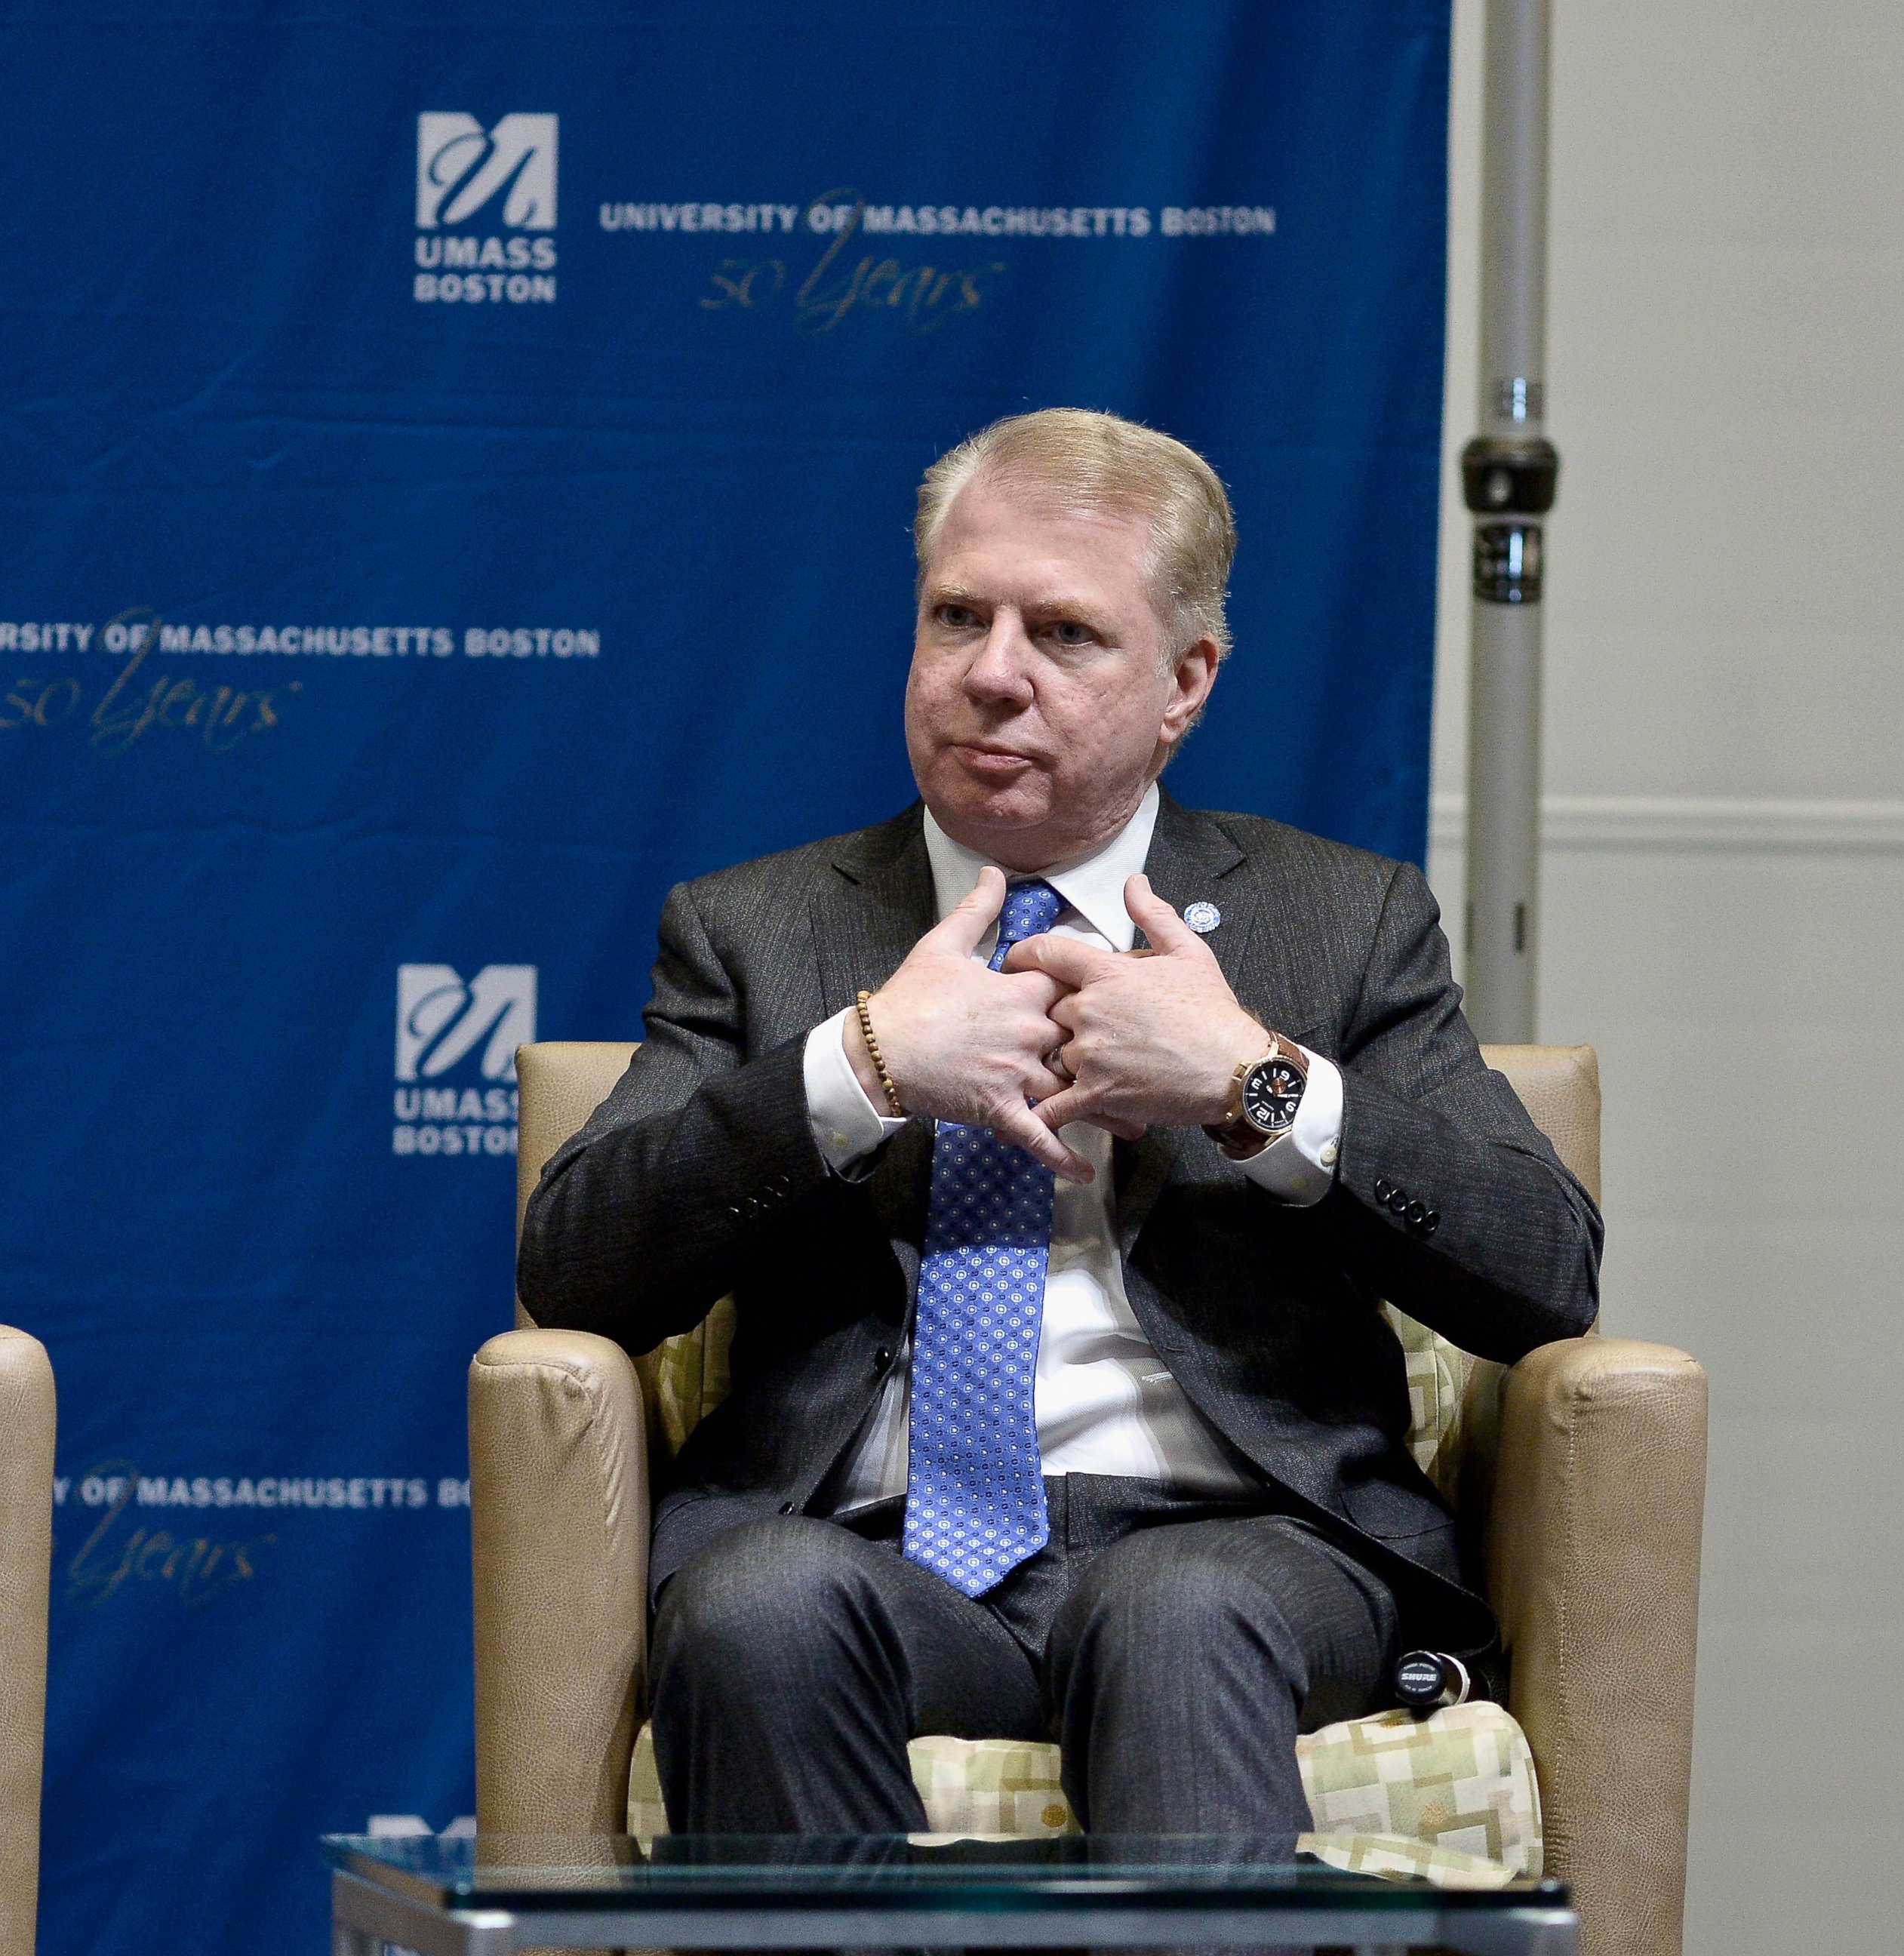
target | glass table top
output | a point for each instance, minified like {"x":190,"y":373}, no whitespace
{"x":1049,"y":1874}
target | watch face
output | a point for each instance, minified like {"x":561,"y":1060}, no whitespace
{"x":1272,"y":1094}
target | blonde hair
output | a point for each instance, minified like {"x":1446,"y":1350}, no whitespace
{"x":1098,"y":461}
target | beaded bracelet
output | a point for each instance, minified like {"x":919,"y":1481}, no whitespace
{"x":879,"y":1063}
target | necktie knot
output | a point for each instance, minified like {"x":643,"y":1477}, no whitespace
{"x":1030,"y":909}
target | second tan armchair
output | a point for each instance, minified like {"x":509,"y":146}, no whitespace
{"x":27,"y":1429}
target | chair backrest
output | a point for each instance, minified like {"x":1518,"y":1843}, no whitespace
{"x":1560,"y":1087}
{"x":29,"y":1420}
{"x":562,"y":1083}
{"x":1452,"y":1395}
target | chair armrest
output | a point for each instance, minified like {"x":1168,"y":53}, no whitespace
{"x":27,"y":1425}
{"x":1592,"y":1551}
{"x":558,"y":1487}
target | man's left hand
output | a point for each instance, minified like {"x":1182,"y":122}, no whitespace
{"x":1154,"y":1041}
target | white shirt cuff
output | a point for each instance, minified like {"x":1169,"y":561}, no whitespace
{"x":1300,"y":1165}
{"x":847,"y":1126}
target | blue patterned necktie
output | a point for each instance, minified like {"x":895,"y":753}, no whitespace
{"x":975,"y":1490}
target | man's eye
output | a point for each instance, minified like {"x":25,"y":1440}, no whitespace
{"x":957,"y":618}
{"x":1069,"y":631}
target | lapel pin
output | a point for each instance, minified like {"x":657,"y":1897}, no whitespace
{"x":1202,"y":918}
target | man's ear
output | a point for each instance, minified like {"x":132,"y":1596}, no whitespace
{"x":1194,"y":675}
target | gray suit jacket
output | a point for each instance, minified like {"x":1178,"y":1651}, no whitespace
{"x":698,"y":1177}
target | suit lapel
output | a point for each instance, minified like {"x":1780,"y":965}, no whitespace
{"x":870,"y":906}
{"x":1190,"y":856}
{"x":1191,"y":860}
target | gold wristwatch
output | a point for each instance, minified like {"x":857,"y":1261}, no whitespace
{"x":1265,"y":1094}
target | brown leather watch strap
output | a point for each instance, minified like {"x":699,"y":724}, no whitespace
{"x":1237,"y":1135}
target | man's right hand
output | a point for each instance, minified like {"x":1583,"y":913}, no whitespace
{"x":965,"y":1044}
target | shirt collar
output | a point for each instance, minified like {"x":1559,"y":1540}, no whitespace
{"x":1093,"y":885}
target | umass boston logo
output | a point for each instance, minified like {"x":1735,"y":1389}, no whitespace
{"x":485,"y":206}
{"x":455,"y":1057}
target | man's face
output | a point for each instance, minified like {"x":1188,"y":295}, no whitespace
{"x":1039,"y":707}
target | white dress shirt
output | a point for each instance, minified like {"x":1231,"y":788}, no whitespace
{"x":1104,"y":1401}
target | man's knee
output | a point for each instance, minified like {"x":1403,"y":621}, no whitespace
{"x":762,"y":1599}
{"x":1198,"y":1601}
{"x":1156,"y":1590}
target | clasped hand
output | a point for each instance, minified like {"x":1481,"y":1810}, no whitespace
{"x":1123,"y":1042}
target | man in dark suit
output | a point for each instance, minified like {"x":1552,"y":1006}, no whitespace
{"x":1062,"y":1402}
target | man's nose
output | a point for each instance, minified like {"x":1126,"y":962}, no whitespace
{"x":1000,"y":671}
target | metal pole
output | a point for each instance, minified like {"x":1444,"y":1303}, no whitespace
{"x":1508,"y":473}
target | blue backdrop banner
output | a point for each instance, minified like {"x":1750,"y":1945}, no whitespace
{"x":456,"y":480}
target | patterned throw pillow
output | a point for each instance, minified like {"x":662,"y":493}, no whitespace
{"x":1437,"y":1378}
{"x":1390,"y":1854}
{"x":684,"y":1379}
{"x":1456,"y":1786}
{"x":1461,"y":1779}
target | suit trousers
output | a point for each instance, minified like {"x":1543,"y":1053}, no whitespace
{"x":1173,"y":1647}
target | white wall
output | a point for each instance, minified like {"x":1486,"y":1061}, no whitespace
{"x":1724,"y":877}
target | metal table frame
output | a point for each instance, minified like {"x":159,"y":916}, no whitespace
{"x":364,"y":1915}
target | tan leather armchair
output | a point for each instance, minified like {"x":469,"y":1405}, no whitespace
{"x":1583,"y":1473}
{"x":26,"y":1423}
